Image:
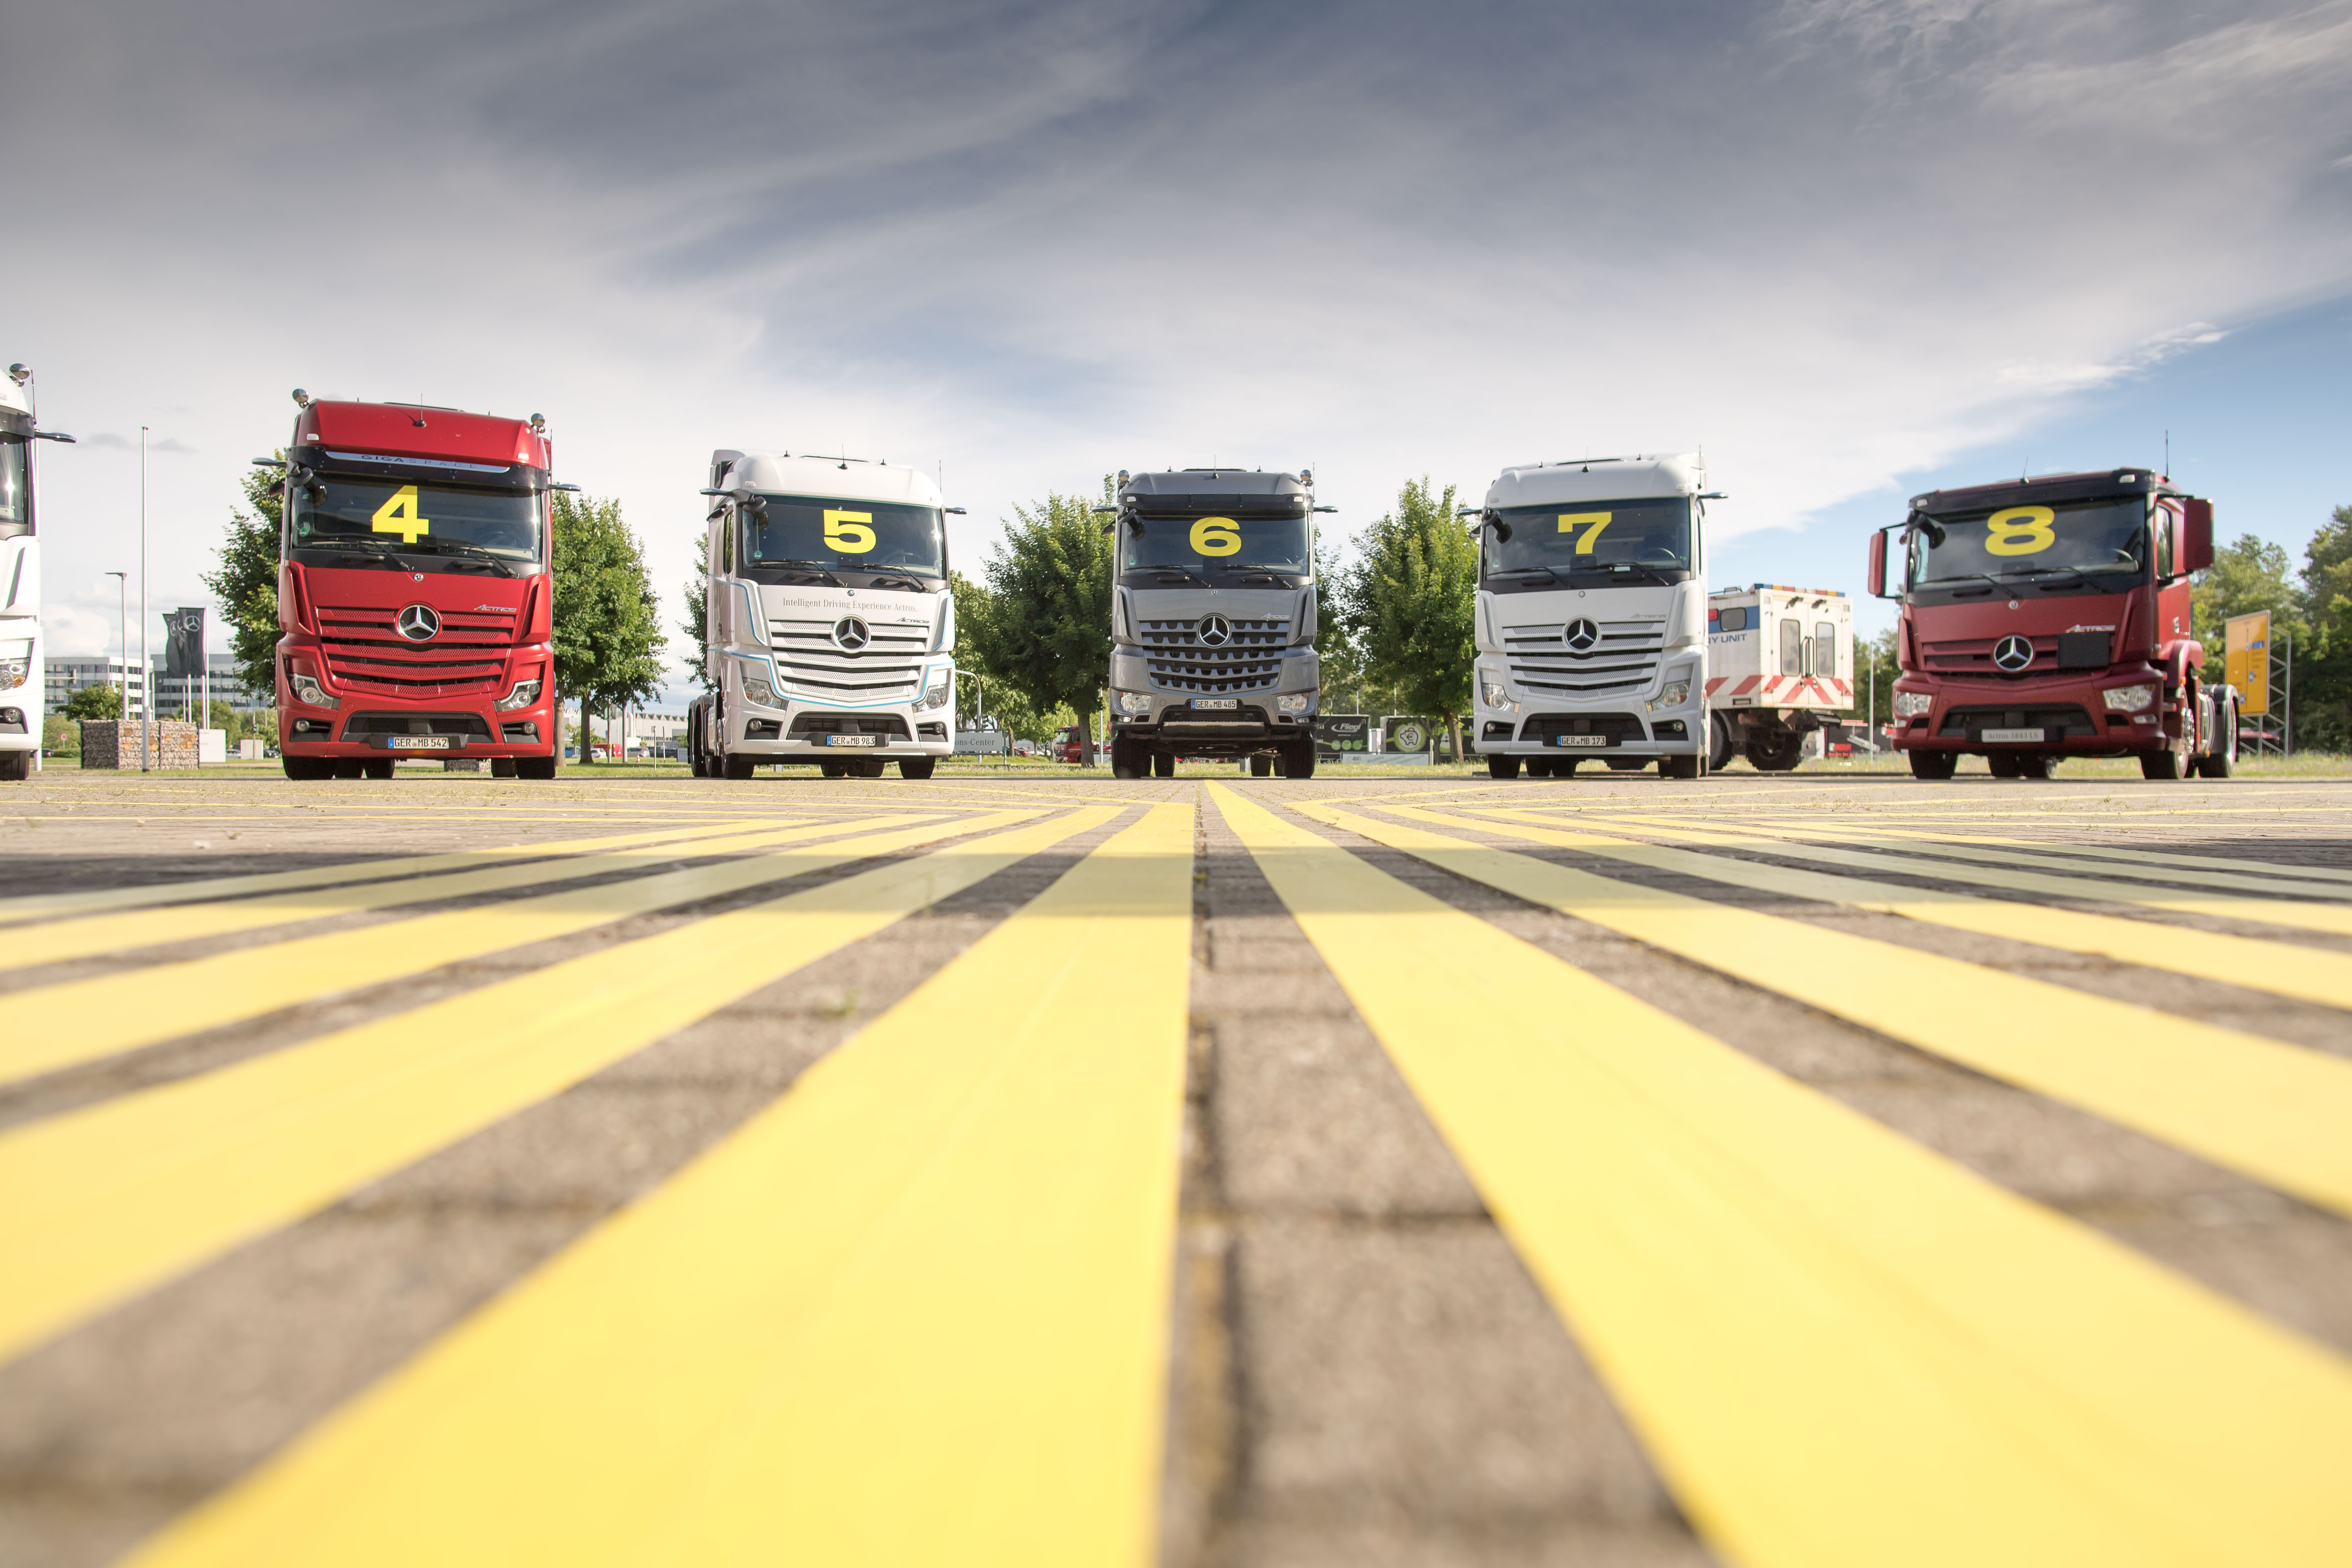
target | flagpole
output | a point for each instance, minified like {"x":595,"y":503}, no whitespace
{"x":146,"y":663}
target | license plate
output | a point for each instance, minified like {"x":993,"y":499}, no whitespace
{"x":850,"y":740}
{"x":1998,"y":736}
{"x":418,"y":742}
{"x":1579,"y":740}
{"x":1216,"y":703}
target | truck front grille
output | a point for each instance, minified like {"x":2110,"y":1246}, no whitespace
{"x":887,"y":668}
{"x":1626,"y":657}
{"x":368,"y":726}
{"x":1249,"y":660}
{"x":364,"y":654}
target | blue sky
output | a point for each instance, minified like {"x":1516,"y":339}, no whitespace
{"x":1853,"y":248}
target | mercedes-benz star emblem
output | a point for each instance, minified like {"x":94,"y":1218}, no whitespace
{"x":2012,"y":653}
{"x":849,"y":634}
{"x":419,"y":623}
{"x":1216,"y":631}
{"x":1582,"y":634}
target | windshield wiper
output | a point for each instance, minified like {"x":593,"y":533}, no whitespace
{"x":818,"y":567}
{"x":1523,"y":571}
{"x":452,"y":547}
{"x":1963,"y":578}
{"x":2038,"y":572}
{"x":382,"y":549}
{"x":895,"y":579}
{"x":1177,"y":574}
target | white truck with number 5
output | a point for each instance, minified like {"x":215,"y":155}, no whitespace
{"x":829,"y":627}
{"x":20,"y":578}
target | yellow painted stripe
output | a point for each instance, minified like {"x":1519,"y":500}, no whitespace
{"x":146,"y":928}
{"x":51,"y":906}
{"x":912,"y":1313}
{"x":2307,"y":974}
{"x":1841,"y":1349}
{"x":2275,"y":1111}
{"x":100,"y":1203}
{"x":2328,"y":917}
{"x":61,"y":1025}
{"x":2200,"y":863}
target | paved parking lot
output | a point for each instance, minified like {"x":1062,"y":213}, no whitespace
{"x":1767,"y":1171}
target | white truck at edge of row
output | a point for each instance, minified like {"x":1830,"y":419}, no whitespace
{"x":21,"y":676}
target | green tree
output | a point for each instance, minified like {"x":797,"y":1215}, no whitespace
{"x":1410,"y":602}
{"x":94,"y":702}
{"x":608,"y":637}
{"x":1875,"y":670}
{"x":2322,"y":656}
{"x":696,"y":624}
{"x":1044,"y":628}
{"x":245,"y":585}
{"x":1336,"y":652}
{"x":2247,"y":576}
{"x":61,"y":736}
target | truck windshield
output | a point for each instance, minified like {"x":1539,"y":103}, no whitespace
{"x":2064,"y":543}
{"x":1204,"y":546}
{"x":384,"y":517}
{"x":858,"y":544}
{"x":16,"y":501}
{"x":1644,"y":540}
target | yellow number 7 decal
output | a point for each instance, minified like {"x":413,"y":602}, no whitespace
{"x":398,"y":516}
{"x":1599,"y":520}
{"x":2020,"y":530}
{"x":848,"y":533}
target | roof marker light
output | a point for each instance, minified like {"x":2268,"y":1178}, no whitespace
{"x":302,"y":398}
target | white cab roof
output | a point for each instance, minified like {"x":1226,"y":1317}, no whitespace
{"x":775,"y":473}
{"x":1598,"y":479}
{"x":12,"y":395}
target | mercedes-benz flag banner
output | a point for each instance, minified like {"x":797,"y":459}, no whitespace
{"x":183,"y":645}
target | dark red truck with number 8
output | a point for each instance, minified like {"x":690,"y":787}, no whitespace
{"x":414,"y":592}
{"x":2048,"y":617}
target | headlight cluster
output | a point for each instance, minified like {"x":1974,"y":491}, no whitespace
{"x":1674,"y":694}
{"x":758,"y":692}
{"x":525,"y":693}
{"x":1494,"y":693}
{"x":13,"y":672}
{"x":1132,"y":702}
{"x":937,"y":696}
{"x":1294,"y":701}
{"x":2128,"y":698}
{"x":307,"y":690}
{"x":1911,"y":704}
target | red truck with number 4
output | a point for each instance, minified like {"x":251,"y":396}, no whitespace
{"x":2048,"y":617}
{"x":413,"y":593}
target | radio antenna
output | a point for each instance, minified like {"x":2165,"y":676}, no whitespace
{"x":2168,"y":454}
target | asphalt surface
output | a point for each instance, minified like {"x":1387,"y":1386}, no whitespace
{"x":1789,"y":1171}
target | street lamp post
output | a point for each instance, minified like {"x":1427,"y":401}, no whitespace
{"x":146,"y":664}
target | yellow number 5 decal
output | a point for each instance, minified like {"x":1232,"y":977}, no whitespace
{"x":1216,"y":536}
{"x":1569,"y":520}
{"x":2020,"y":531}
{"x":398,"y":516}
{"x":848,"y":533}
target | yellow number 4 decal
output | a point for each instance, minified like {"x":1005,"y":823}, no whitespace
{"x":398,"y":516}
{"x":2020,"y":530}
{"x":1216,"y":536}
{"x":848,"y":533}
{"x":1569,"y":520}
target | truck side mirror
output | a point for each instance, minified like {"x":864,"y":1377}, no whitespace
{"x":2196,"y":534}
{"x":1877,"y":565}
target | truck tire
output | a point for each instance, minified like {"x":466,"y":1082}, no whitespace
{"x":1260,"y":765}
{"x":1502,"y":767}
{"x":867,"y":768}
{"x":1540,"y":767}
{"x":540,"y":768}
{"x":1690,"y":767}
{"x":830,"y":769}
{"x":15,"y":767}
{"x":1163,"y":766}
{"x":1934,"y":765}
{"x":917,"y":767}
{"x":307,"y":768}
{"x":2003,"y":764}
{"x":1297,"y":759}
{"x":1775,"y":752}
{"x":2163,"y":764}
{"x":377,"y":770}
{"x":1128,"y":760}
{"x":502,"y":767}
{"x":2223,"y":761}
{"x":2035,"y":765}
{"x":735,"y":767}
{"x":1564,"y":767}
{"x":1718,"y":743}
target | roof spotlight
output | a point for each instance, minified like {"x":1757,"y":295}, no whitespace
{"x":20,"y":373}
{"x":302,"y":398}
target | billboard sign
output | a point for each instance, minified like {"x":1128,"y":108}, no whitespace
{"x":2247,"y":661}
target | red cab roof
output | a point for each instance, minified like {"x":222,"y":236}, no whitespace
{"x":411,"y":430}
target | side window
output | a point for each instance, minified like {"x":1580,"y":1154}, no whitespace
{"x":727,"y":529}
{"x":2162,"y":519}
{"x":1793,"y":647}
{"x":1825,"y":651}
{"x":1733,"y":620}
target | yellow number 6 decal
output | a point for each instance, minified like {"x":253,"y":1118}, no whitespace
{"x":1599,"y":520}
{"x":398,"y":516}
{"x":1216,"y":536}
{"x":848,"y":533}
{"x":2020,"y":530}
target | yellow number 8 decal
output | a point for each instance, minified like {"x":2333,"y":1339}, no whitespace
{"x":848,"y":533}
{"x":398,"y":516}
{"x":2020,"y":530}
{"x":1216,"y":536}
{"x":1598,"y":521}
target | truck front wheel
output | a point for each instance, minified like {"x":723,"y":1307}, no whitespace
{"x":15,"y":767}
{"x":1681,"y":767}
{"x":1934,"y":765}
{"x":735,"y":767}
{"x":1298,"y":758}
{"x":307,"y":768}
{"x":1718,"y":743}
{"x":1260,"y":765}
{"x":1502,"y":767}
{"x":1127,"y":760}
{"x":2163,"y":764}
{"x":917,"y":767}
{"x":1775,"y":752}
{"x":540,"y":768}
{"x":1163,"y":766}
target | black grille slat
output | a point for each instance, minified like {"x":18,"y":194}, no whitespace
{"x":1177,"y":660}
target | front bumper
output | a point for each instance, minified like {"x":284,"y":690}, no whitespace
{"x":2068,"y":716}
{"x":1620,"y":725}
{"x":366,"y":725}
{"x":1251,"y":725}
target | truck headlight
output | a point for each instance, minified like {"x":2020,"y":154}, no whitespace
{"x":1494,"y":693}
{"x":14,"y":673}
{"x":1911,"y":704}
{"x":1674,"y":694}
{"x":1133,"y":702}
{"x":758,"y":692}
{"x":2128,"y":698}
{"x":307,"y":690}
{"x":1294,"y":701}
{"x":525,"y":693}
{"x":937,"y":697}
